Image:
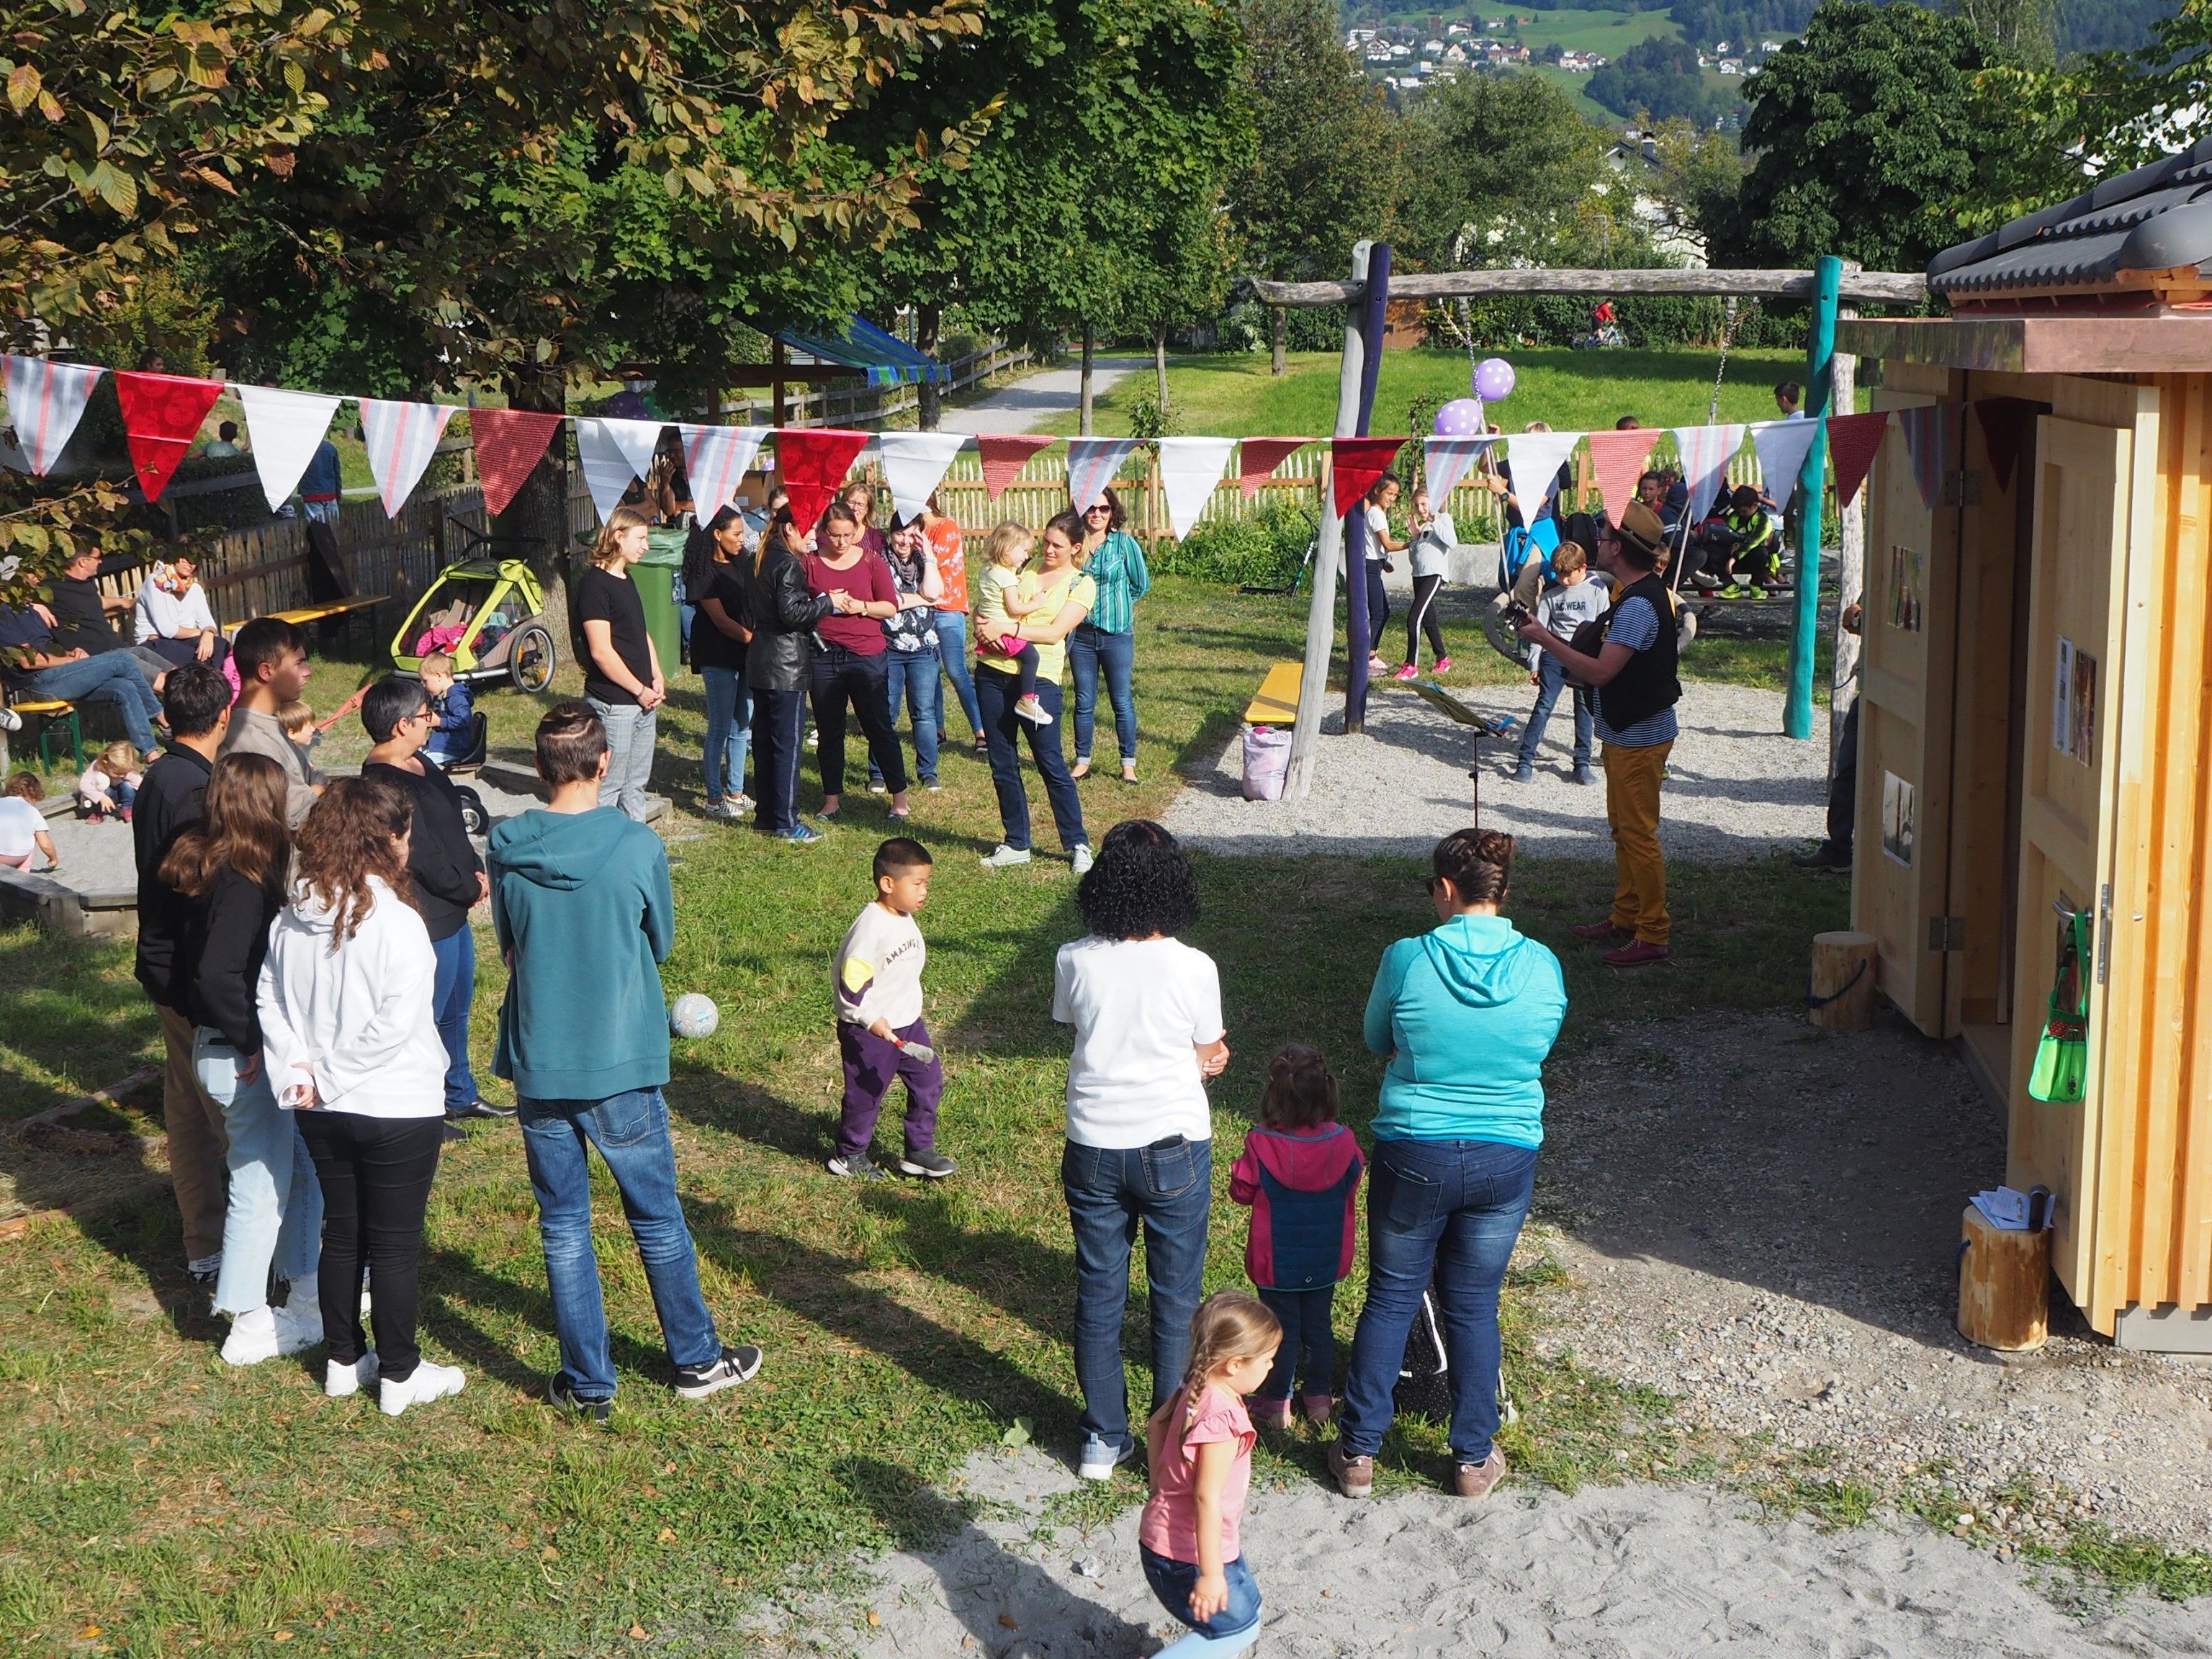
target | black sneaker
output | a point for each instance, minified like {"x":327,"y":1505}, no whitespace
{"x":596,"y":1411}
{"x":479,"y":1107}
{"x":1826,"y":856}
{"x":454,"y":1131}
{"x":860,"y":1166}
{"x":735,"y":1365}
{"x":928,"y":1163}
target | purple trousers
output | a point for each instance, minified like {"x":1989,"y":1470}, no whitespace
{"x":870,"y":1063}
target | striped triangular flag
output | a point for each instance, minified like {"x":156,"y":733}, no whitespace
{"x":402,"y":437}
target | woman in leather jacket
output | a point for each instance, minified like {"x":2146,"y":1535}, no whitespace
{"x":782,"y":611}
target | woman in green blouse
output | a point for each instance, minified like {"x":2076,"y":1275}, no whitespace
{"x":1111,"y":557}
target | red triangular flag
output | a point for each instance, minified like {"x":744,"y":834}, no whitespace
{"x":1005,"y":454}
{"x":1258,"y":457}
{"x":810,"y":462}
{"x":510,"y":442}
{"x":2005,"y":423}
{"x":1357,"y":463}
{"x":1618,"y":459}
{"x":162,"y":417}
{"x":1853,"y":442}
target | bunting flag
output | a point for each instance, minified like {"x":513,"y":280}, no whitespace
{"x":812,"y":462}
{"x":1618,"y":459}
{"x":1445,"y":461}
{"x":1533,"y":460}
{"x":1189,"y":469}
{"x":161,"y":416}
{"x":45,"y":400}
{"x":1853,"y":442}
{"x":1782,"y":447}
{"x":401,"y":438}
{"x":1931,"y":438}
{"x":286,"y":429}
{"x":915,"y":464}
{"x":613,"y":451}
{"x":1706,"y":451}
{"x":1091,"y":465}
{"x":1005,"y":454}
{"x":2005,"y":425}
{"x":510,"y":442}
{"x":1355,"y":464}
{"x":1259,"y":459}
{"x":716,"y":459}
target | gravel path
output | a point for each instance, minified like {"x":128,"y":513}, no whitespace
{"x":1036,"y":398}
{"x":1735,"y":789}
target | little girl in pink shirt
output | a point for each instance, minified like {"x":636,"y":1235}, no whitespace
{"x":1201,"y":1460}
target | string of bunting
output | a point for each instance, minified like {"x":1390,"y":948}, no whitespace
{"x":162,"y":415}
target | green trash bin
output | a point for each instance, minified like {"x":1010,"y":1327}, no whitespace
{"x":658,"y":575}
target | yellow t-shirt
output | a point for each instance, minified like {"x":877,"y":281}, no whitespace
{"x":992,"y":621}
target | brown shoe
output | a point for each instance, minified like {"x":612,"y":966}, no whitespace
{"x":1635,"y":954}
{"x":1476,"y":1479}
{"x":1355,"y":1476}
{"x":1598,"y":930}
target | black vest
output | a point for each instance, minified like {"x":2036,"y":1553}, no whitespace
{"x":1646,"y":685}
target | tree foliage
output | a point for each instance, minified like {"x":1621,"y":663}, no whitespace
{"x":1660,"y":79}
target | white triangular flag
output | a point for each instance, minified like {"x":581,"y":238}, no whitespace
{"x":915,"y":464}
{"x":1189,"y":469}
{"x":45,"y":400}
{"x":716,"y":459}
{"x":1091,"y":465}
{"x":1782,"y":447}
{"x":1445,"y":461}
{"x":613,"y":453}
{"x":1533,"y":460}
{"x":1706,"y":451}
{"x":286,"y":427}
{"x":402,"y":437}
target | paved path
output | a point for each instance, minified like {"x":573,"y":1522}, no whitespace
{"x":1030,"y":403}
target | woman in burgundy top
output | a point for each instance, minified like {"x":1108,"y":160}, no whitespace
{"x":854,"y":663}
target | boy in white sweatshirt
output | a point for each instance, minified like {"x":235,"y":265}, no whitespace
{"x":881,"y":1033}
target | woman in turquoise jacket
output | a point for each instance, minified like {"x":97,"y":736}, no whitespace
{"x":1468,"y":1015}
{"x":1107,"y":640}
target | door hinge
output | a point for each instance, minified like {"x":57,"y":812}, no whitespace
{"x":1962,"y":488}
{"x":1946,"y":932}
{"x":2104,"y":932}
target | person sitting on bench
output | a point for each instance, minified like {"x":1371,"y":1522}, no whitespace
{"x":174,"y":620}
{"x":44,"y":670}
{"x":78,"y":616}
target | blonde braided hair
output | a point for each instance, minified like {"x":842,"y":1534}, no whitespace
{"x":1229,"y":1325}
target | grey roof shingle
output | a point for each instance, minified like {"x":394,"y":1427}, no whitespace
{"x":2157,"y":218}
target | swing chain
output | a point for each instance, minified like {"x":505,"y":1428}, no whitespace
{"x":1734,"y":317}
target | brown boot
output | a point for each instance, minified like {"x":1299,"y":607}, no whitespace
{"x":1475,"y":1479}
{"x":1355,"y":1476}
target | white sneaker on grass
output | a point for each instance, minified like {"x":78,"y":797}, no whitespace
{"x":726,"y":1370}
{"x":340,"y":1379}
{"x":252,"y":1337}
{"x":428,"y":1382}
{"x":1003,"y":857}
{"x":1100,"y":1458}
{"x":1080,"y":861}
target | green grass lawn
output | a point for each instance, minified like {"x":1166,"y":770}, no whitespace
{"x":152,"y":1502}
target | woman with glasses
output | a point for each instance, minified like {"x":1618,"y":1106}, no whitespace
{"x":1107,"y":640}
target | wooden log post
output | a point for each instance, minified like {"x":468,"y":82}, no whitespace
{"x":2004,"y":1285}
{"x":1840,"y":997}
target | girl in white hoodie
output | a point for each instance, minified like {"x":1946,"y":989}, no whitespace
{"x":350,"y":1042}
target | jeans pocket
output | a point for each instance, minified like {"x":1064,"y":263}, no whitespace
{"x":1170,"y":1170}
{"x":628,"y":1119}
{"x":214,"y":1066}
{"x":1413,"y":1197}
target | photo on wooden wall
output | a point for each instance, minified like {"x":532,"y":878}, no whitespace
{"x":1896,"y":818}
{"x":2074,"y":702}
{"x":1904,"y":581}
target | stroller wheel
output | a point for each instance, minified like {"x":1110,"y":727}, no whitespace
{"x":530,"y":659}
{"x":474,"y":818}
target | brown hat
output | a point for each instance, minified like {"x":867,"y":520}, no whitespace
{"x":1640,"y":526}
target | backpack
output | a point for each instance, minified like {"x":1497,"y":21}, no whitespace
{"x":1425,"y":1386}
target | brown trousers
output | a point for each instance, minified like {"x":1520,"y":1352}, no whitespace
{"x":197,"y":1143}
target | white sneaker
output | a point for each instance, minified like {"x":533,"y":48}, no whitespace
{"x":299,"y":1328}
{"x":10,"y":720}
{"x":1081,"y":861}
{"x":252,"y":1337}
{"x":723,"y":808}
{"x":341,"y":1380}
{"x":1003,"y":857}
{"x":429,"y":1383}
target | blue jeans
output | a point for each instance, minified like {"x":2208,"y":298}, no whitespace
{"x":275,"y":1209}
{"x":1449,"y":1210}
{"x":837,"y":676}
{"x":1172,"y":1581}
{"x":1551,"y":680}
{"x":952,"y":651}
{"x":997,"y":692}
{"x":452,"y":995}
{"x":1168,"y":1187}
{"x":112,"y":676}
{"x":1088,"y":650}
{"x":913,"y":681}
{"x":729,"y":715}
{"x":630,"y":731}
{"x":778,"y":720}
{"x":631,"y":1131}
{"x":1308,"y":1319}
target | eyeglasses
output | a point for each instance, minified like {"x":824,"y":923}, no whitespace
{"x":1101,"y":507}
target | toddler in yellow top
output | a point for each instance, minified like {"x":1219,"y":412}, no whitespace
{"x":1006,"y":596}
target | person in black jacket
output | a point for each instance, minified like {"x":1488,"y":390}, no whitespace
{"x":783,"y":611}
{"x":230,"y":869}
{"x":197,"y":704}
{"x":449,"y":877}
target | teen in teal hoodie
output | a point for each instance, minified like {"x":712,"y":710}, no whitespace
{"x":585,"y":917}
{"x":1467,"y":1014}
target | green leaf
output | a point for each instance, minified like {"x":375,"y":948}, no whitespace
{"x":1018,"y":1436}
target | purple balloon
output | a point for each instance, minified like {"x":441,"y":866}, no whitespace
{"x":1493,"y":378}
{"x":1460,"y":418}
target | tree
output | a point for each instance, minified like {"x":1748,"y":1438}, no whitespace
{"x":1661,"y":79}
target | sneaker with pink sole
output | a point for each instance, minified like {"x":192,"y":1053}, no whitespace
{"x":1406,"y":672}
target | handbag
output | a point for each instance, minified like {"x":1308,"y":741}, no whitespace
{"x":2062,"y":1052}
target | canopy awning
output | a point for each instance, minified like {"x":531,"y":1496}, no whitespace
{"x":881,"y":359}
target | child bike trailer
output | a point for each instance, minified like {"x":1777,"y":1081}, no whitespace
{"x":488,"y":615}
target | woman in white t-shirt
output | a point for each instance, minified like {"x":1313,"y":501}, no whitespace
{"x":1380,"y":499}
{"x":1146,"y":1009}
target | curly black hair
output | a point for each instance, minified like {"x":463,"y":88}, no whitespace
{"x":1142,"y":884}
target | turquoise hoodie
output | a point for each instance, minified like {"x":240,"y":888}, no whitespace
{"x":585,"y":915}
{"x":1466,"y":1014}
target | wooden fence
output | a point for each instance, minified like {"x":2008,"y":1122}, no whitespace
{"x":873,"y":406}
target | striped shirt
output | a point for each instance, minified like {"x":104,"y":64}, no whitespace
{"x":1635,"y":625}
{"x":1119,"y":569}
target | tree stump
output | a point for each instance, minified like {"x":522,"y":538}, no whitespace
{"x":1841,"y":996}
{"x":2004,"y":1286}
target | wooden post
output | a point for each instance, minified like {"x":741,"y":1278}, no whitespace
{"x":2004,"y":1285}
{"x":777,"y":360}
{"x":1821,"y":349}
{"x":1841,"y":995}
{"x":1279,"y":327}
{"x":1083,"y":395}
{"x":1374,"y":322}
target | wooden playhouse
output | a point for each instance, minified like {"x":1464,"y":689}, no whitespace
{"x":2035,"y":736}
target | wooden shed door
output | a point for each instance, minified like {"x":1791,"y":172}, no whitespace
{"x":2074,"y":671}
{"x":1901,"y":849}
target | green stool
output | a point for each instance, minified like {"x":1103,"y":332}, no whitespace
{"x":55,"y":715}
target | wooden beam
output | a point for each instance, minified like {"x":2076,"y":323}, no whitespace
{"x":1862,"y":287}
{"x":766,"y":374}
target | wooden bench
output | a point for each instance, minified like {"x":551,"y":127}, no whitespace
{"x":1277,"y":703}
{"x":54,"y":713}
{"x":308,"y":614}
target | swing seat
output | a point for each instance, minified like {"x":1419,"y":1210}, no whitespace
{"x":1277,"y":703}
